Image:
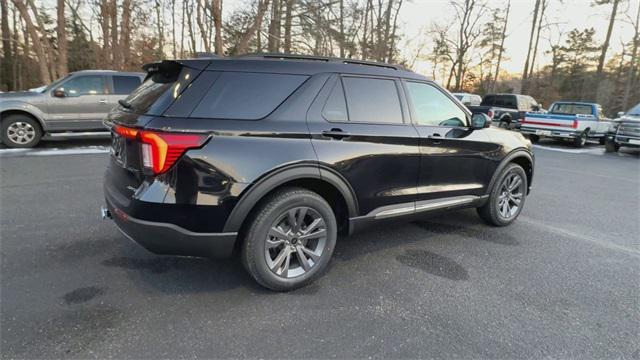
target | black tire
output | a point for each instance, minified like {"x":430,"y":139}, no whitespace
{"x":602,"y":140}
{"x":20,"y":131}
{"x":534,"y":138}
{"x":581,"y":140}
{"x":611,"y":146}
{"x":491,"y":212}
{"x":255,"y":253}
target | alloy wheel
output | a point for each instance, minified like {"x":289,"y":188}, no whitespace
{"x":21,"y":132}
{"x":295,"y":242}
{"x":511,"y":194}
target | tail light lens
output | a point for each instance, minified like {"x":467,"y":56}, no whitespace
{"x":575,"y":124}
{"x":490,"y":114}
{"x":160,"y":150}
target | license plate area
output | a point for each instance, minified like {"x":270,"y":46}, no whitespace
{"x":124,"y":151}
{"x":543,"y":132}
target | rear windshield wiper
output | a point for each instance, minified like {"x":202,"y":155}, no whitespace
{"x":124,"y":104}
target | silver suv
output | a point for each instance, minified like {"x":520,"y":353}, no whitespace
{"x":76,"y":103}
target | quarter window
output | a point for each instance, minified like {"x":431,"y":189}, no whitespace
{"x":84,"y":85}
{"x":432,"y":107}
{"x":372,"y":100}
{"x":336,"y":107}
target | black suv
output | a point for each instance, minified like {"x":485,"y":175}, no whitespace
{"x":272,"y":157}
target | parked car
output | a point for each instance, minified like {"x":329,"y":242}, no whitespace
{"x":274,"y":156}
{"x":506,"y":109}
{"x":468,"y":99}
{"x":76,"y":103}
{"x":625,"y":131}
{"x":568,"y":120}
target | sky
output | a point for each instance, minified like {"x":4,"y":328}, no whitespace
{"x":419,"y":14}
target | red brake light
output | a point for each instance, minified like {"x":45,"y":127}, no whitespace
{"x":490,"y":114}
{"x":575,"y":124}
{"x":161,"y":150}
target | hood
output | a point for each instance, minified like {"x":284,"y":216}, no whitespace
{"x":630,"y":118}
{"x":20,"y":95}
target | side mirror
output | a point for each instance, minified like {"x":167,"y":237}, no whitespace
{"x":59,"y":93}
{"x":620,"y":113}
{"x":480,"y":121}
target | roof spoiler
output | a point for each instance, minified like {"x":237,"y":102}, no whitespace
{"x":175,"y":65}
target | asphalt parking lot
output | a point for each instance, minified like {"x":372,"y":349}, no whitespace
{"x":561,"y":282}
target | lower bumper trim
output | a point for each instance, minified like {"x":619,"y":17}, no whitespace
{"x":169,"y":239}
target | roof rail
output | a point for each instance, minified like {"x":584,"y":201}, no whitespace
{"x":320,"y":58}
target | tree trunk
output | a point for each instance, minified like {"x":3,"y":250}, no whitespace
{"x":503,"y":36}
{"x":115,"y":49}
{"x":46,"y":45}
{"x":7,"y":52}
{"x":125,"y":28}
{"x":203,"y":30}
{"x":174,"y":45}
{"x":160,"y":25}
{"x":243,"y":45}
{"x":273,"y":43}
{"x":364,"y":43}
{"x":217,"y":22}
{"x":543,"y":7}
{"x":533,"y":30}
{"x":45,"y":77}
{"x":62,"y":40}
{"x":605,"y":46}
{"x":341,"y":24}
{"x":104,"y":24}
{"x":192,"y":36}
{"x":392,"y":46}
{"x":287,"y":27}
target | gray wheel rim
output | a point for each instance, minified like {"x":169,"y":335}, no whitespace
{"x":21,"y":132}
{"x":511,"y":196}
{"x":583,"y":139}
{"x":295,"y":242}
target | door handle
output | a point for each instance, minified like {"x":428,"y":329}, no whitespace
{"x":102,"y":101}
{"x":336,"y":134}
{"x":435,"y":138}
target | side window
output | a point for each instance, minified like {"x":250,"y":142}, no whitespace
{"x":124,"y":85}
{"x":510,"y":101}
{"x":372,"y":100}
{"x":432,"y":107}
{"x":336,"y":107}
{"x":84,"y":85}
{"x":246,"y":96}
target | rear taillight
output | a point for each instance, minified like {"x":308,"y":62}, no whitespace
{"x":575,"y":124}
{"x":490,"y":114}
{"x":160,"y":150}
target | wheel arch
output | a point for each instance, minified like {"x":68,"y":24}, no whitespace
{"x":521,"y":157}
{"x":10,"y":112}
{"x":322,"y":180}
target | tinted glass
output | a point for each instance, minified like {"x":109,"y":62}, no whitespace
{"x":246,"y":96}
{"x":152,"y":97}
{"x":124,"y":85}
{"x":488,"y":100}
{"x":432,"y":107}
{"x":336,"y":107}
{"x":84,"y":85}
{"x":508,"y":101}
{"x":372,"y":100}
{"x":635,"y":110}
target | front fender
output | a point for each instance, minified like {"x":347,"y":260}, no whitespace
{"x":24,"y":107}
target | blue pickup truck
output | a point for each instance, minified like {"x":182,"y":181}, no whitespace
{"x":568,"y":120}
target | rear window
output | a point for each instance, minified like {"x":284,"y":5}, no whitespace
{"x":153,"y":96}
{"x":246,"y":96}
{"x":572,"y":109}
{"x":124,"y":85}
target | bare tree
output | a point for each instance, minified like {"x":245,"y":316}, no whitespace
{"x":243,"y":45}
{"x":634,"y":63}
{"x":525,"y":73}
{"x":62,"y":40}
{"x":216,"y":12}
{"x":543,"y":8}
{"x":273,"y":42}
{"x":501,"y":50}
{"x":125,"y":39}
{"x":7,"y":60}
{"x":468,"y":15}
{"x":38,"y":46}
{"x":287,"y":25}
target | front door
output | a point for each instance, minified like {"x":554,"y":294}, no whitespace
{"x":84,"y":105}
{"x":455,"y":158}
{"x":360,"y":128}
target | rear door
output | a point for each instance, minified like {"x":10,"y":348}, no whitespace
{"x":455,"y":159}
{"x":360,"y":128}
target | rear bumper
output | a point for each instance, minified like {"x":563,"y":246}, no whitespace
{"x":169,"y":239}
{"x":560,"y":134}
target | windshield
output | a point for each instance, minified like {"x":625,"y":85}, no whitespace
{"x":572,"y":109}
{"x":634,"y":110}
{"x":55,"y":84}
